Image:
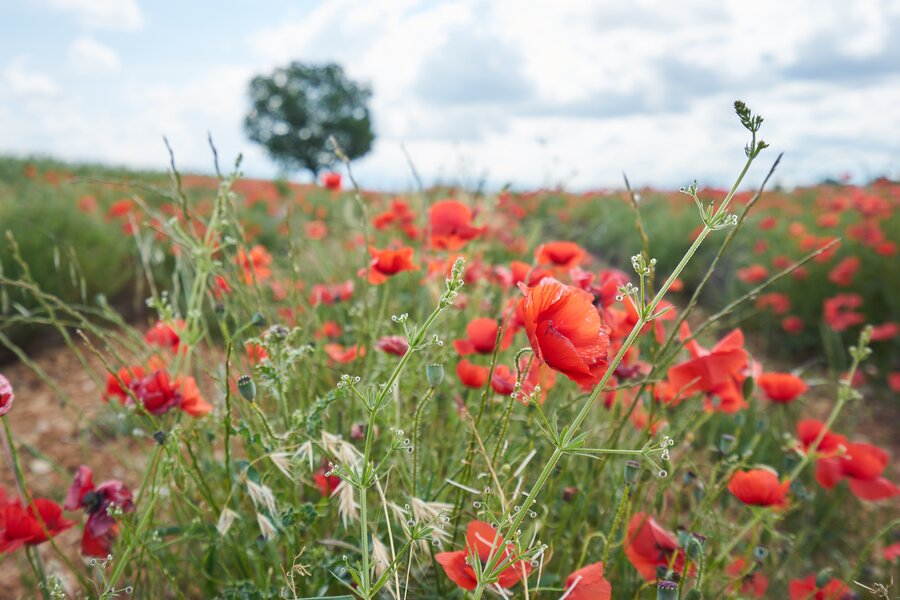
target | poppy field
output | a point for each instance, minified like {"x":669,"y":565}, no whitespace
{"x":310,"y":392}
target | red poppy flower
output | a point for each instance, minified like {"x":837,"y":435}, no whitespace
{"x":192,"y":401}
{"x":649,"y":546}
{"x":40,"y":522}
{"x":6,"y":395}
{"x":588,"y":583}
{"x":806,"y":589}
{"x":752,"y":583}
{"x":256,"y":353}
{"x":165,"y":335}
{"x":842,"y":274}
{"x":326,"y":483}
{"x":392,"y":344}
{"x":767,"y":223}
{"x":503,"y":380}
{"x":482,"y":337}
{"x":482,"y":542}
{"x":471,"y":375}
{"x":792,"y":324}
{"x":759,"y":487}
{"x":862,"y":465}
{"x":716,"y":372}
{"x":885,"y":331}
{"x":342,"y":355}
{"x":839,"y":311}
{"x":892,"y":552}
{"x":387,"y":263}
{"x":893,"y":380}
{"x":777,"y":302}
{"x":316,"y":230}
{"x":808,"y":430}
{"x":156,"y":392}
{"x":781,"y":387}
{"x":323,"y":293}
{"x":564,"y":255}
{"x":255,"y":264}
{"x":100,"y":530}
{"x":450,"y":225}
{"x":332,"y":181}
{"x":753,"y":274}
{"x":565,"y":330}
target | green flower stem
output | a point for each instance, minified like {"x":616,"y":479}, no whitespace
{"x":626,"y":345}
{"x":615,"y":526}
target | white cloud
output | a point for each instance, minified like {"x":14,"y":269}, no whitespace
{"x":88,"y":56}
{"x":27,"y":84}
{"x":125,"y":15}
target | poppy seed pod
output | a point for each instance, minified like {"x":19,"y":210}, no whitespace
{"x":247,"y":388}
{"x":666,"y":590}
{"x":632,"y":470}
{"x":434,"y":373}
{"x":760,"y":553}
{"x":726,"y":444}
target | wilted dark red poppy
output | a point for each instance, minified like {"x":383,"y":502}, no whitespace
{"x":392,"y":344}
{"x":471,"y":375}
{"x":588,"y":583}
{"x":482,"y":337}
{"x":156,"y":392}
{"x":450,"y":225}
{"x":6,"y":395}
{"x":482,"y":543}
{"x":565,"y":330}
{"x":387,"y":263}
{"x":781,"y":387}
{"x":561,"y":254}
{"x":649,"y":546}
{"x":759,"y":487}
{"x":100,"y":530}
{"x":806,"y":589}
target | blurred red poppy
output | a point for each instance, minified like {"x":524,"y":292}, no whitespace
{"x":806,"y":589}
{"x":759,"y":487}
{"x":255,"y":264}
{"x":752,"y":581}
{"x":781,"y":387}
{"x":471,"y":375}
{"x":839,"y":311}
{"x":6,"y":395}
{"x":482,"y":337}
{"x":450,"y":225}
{"x":100,"y":530}
{"x":843,"y":273}
{"x":331,"y":181}
{"x":561,"y":254}
{"x":588,"y":583}
{"x":392,"y":344}
{"x":649,"y":546}
{"x":41,"y":521}
{"x":387,"y":263}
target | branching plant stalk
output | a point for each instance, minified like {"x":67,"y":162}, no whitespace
{"x":490,"y":569}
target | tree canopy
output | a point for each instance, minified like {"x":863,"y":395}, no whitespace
{"x":297,"y":108}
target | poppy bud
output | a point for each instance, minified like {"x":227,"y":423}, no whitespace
{"x":632,"y":470}
{"x":823,"y":577}
{"x":160,"y":437}
{"x":569,"y":493}
{"x":740,"y":419}
{"x":666,"y":590}
{"x":726,"y":444}
{"x":695,"y":546}
{"x":257,"y":320}
{"x":247,"y":388}
{"x":434,"y":373}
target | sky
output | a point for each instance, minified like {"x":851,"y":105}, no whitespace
{"x":528,"y":93}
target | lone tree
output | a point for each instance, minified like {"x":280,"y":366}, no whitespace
{"x":297,"y":108}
